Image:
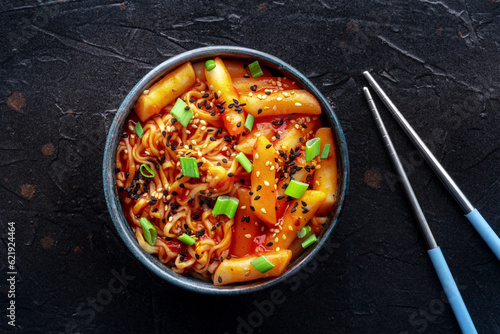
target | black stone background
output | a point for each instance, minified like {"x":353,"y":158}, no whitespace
{"x":74,"y":61}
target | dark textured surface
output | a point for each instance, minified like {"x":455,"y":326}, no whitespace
{"x":66,"y":66}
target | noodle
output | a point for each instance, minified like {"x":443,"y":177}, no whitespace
{"x":176,"y":204}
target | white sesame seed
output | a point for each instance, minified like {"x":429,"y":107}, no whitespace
{"x":298,"y":104}
{"x":243,"y":207}
{"x":279,"y":98}
{"x":257,"y":173}
{"x":257,"y":156}
{"x":248,"y":236}
{"x":263,"y":210}
{"x":266,"y":183}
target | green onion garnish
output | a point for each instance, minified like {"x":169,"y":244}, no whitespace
{"x":149,"y":231}
{"x":139,"y":130}
{"x":226,"y":205}
{"x":313,"y":148}
{"x":262,"y":264}
{"x":326,"y":150}
{"x":249,"y":122}
{"x":150,"y":173}
{"x":305,"y":231}
{"x":296,"y":189}
{"x":210,"y":65}
{"x":255,"y":69}
{"x":186,"y":239}
{"x":245,"y":163}
{"x":180,"y":113}
{"x":190,"y":167}
{"x":309,"y":241}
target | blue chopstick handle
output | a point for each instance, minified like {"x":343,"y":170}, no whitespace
{"x":485,"y":231}
{"x":451,"y":290}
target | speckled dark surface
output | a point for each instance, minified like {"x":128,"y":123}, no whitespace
{"x":65,"y":66}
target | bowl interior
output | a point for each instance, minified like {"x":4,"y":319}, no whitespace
{"x":328,"y":117}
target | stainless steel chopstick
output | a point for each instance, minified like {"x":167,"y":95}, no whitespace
{"x":472,"y":214}
{"x":434,"y":251}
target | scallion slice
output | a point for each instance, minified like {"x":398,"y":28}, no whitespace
{"x":296,"y":189}
{"x":189,"y":167}
{"x":139,"y":130}
{"x":313,"y":148}
{"x":186,"y":239}
{"x":305,"y":231}
{"x":210,"y":65}
{"x":150,"y":173}
{"x":149,"y":231}
{"x":326,"y":150}
{"x":245,"y":163}
{"x":262,"y":264}
{"x":226,"y":205}
{"x":249,"y":122}
{"x":180,"y":113}
{"x":255,"y":69}
{"x":309,"y":241}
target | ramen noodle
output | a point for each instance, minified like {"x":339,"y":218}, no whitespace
{"x":225,"y":172}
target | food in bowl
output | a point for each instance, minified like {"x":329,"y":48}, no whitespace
{"x":225,"y":172}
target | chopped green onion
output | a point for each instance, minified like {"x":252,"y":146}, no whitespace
{"x":180,"y":113}
{"x":245,"y":163}
{"x":305,"y":231}
{"x":210,"y":65}
{"x":326,"y":150}
{"x":309,"y":241}
{"x":296,"y":189}
{"x":249,"y":122}
{"x":262,"y":264}
{"x":149,"y":231}
{"x":255,"y":69}
{"x":150,"y":173}
{"x":226,"y":205}
{"x":186,"y":239}
{"x":190,"y":167}
{"x":313,"y":148}
{"x":138,"y":129}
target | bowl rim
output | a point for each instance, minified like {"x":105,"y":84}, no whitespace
{"x":111,"y":196}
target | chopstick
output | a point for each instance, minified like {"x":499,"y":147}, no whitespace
{"x":472,"y":214}
{"x":434,"y":251}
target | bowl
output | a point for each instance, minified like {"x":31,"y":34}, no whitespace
{"x":127,"y":107}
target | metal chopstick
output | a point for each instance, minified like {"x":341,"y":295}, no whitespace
{"x":472,"y":214}
{"x":434,"y":251}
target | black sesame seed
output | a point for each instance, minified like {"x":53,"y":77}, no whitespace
{"x":199,"y":164}
{"x":259,"y":111}
{"x":278,"y":136}
{"x":230,"y":174}
{"x":205,"y":95}
{"x":280,"y":197}
{"x":219,"y":279}
{"x":192,"y":100}
{"x":224,"y":160}
{"x":238,"y":124}
{"x":269,"y":244}
{"x":259,"y":187}
{"x":268,"y":93}
{"x":268,"y":145}
{"x":212,"y":138}
{"x":252,"y":208}
{"x":257,"y":197}
{"x":117,"y":170}
{"x":293,"y":210}
{"x":216,"y":96}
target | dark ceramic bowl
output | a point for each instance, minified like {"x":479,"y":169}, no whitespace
{"x":121,"y":224}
